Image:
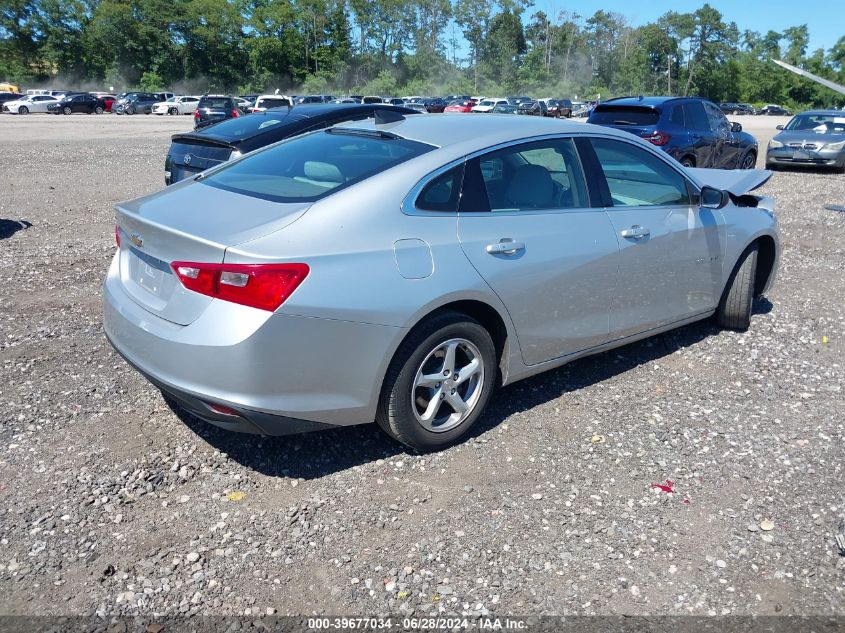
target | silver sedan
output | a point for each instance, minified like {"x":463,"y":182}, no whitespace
{"x":399,"y":270}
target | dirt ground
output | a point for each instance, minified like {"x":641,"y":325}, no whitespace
{"x":109,"y":503}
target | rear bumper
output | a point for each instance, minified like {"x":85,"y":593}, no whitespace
{"x":282,"y":373}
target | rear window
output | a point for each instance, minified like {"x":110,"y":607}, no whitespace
{"x":215,"y":102}
{"x":272,"y":103}
{"x":310,"y":167}
{"x":247,"y":126}
{"x":624,"y":115}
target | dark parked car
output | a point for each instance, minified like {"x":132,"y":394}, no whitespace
{"x":309,"y":99}
{"x":532,"y":108}
{"x":78,"y":102}
{"x":435,"y":104}
{"x":9,"y":96}
{"x":215,"y":108}
{"x":736,"y":108}
{"x":692,"y":130}
{"x":504,"y":108}
{"x":193,"y":152}
{"x":774,"y":110}
{"x":136,"y":103}
{"x":559,"y":107}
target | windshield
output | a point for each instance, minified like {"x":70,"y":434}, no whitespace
{"x":310,"y":167}
{"x":819,"y":123}
{"x":624,"y":115}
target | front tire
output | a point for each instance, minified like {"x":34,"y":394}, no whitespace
{"x":748,"y":161}
{"x":734,"y":310}
{"x":439,"y":382}
{"x":130,"y":110}
{"x":23,"y":110}
{"x":173,"y":111}
{"x":67,"y":110}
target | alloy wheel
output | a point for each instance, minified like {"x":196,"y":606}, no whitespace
{"x":448,"y":384}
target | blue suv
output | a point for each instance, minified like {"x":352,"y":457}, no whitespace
{"x":692,"y":130}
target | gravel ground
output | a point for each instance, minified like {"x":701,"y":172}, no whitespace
{"x":109,"y":503}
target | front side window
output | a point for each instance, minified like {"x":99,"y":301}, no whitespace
{"x":310,"y":167}
{"x":637,"y":178}
{"x":718,"y":122}
{"x":696,"y":118}
{"x":534,"y":176}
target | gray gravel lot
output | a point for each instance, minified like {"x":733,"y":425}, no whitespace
{"x":110,"y":503}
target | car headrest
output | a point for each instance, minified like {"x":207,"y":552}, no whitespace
{"x":532,"y":186}
{"x":322,"y":171}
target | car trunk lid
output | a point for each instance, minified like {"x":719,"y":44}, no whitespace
{"x":194,"y":223}
{"x":190,"y":155}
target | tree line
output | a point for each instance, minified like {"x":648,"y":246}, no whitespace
{"x":392,"y":47}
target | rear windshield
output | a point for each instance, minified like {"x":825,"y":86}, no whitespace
{"x":310,"y":167}
{"x":624,"y":115}
{"x":215,"y":102}
{"x":272,"y":103}
{"x":247,"y":126}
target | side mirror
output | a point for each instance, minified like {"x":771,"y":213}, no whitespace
{"x":712,"y":198}
{"x":736,"y":127}
{"x":779,"y":127}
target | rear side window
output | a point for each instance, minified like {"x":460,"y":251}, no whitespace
{"x":534,"y":176}
{"x":310,"y":167}
{"x":695,"y":116}
{"x":677,"y":115}
{"x":624,"y":115}
{"x":637,"y":178}
{"x":443,"y":192}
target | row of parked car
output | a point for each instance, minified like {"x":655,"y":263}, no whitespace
{"x":729,"y":107}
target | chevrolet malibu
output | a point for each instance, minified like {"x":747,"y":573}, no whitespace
{"x":398,"y":270}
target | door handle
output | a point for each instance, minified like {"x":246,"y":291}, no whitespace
{"x":636,"y":232}
{"x":505,"y":246}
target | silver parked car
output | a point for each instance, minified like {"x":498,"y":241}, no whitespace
{"x":398,"y":270}
{"x":810,"y":139}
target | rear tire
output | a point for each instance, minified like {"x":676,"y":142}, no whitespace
{"x":404,"y":403}
{"x":688,"y":161}
{"x":98,"y":110}
{"x":734,"y":310}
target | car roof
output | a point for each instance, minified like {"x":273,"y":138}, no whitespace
{"x":290,"y":115}
{"x":646,"y":102}
{"x":825,"y":112}
{"x":482,"y":131}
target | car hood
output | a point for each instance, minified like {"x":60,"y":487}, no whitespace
{"x":808,"y":136}
{"x":735,"y":181}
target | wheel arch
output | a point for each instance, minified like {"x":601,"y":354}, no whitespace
{"x":766,"y":259}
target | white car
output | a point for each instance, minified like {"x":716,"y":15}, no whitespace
{"x":29,"y":103}
{"x":265,"y":102}
{"x":488,"y":104}
{"x":176,"y":105}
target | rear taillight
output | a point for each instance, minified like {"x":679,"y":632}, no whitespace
{"x":262,"y":286}
{"x":658,"y":138}
{"x":234,"y":113}
{"x":196,"y":114}
{"x":117,"y":235}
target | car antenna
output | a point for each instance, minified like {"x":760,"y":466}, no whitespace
{"x":383,"y":117}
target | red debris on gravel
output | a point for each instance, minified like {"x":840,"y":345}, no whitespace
{"x":669,"y":486}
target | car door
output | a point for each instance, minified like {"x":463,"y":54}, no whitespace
{"x":527,"y":226}
{"x":727,"y":151}
{"x":702,"y":139}
{"x":670,"y":250}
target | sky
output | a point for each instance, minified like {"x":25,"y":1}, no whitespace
{"x":822,"y":17}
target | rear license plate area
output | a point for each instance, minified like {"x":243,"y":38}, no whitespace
{"x":148,"y":272}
